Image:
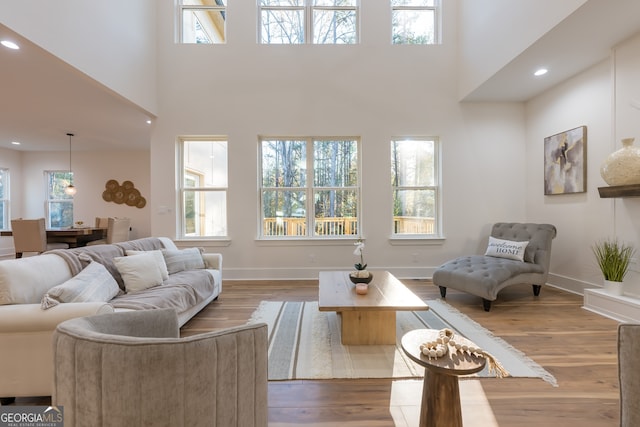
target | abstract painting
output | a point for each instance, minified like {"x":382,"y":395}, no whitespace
{"x":565,"y":162}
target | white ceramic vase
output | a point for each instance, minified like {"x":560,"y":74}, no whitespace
{"x":613,"y":288}
{"x":622,"y":167}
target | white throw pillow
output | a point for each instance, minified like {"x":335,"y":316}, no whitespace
{"x":93,"y":284}
{"x":185,"y":259}
{"x":138,"y":272}
{"x":506,"y":249}
{"x":159,"y":260}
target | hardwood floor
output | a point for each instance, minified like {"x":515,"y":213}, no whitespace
{"x":578,"y":347}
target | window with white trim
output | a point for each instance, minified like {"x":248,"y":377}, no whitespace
{"x":59,"y":205}
{"x":203,"y":187}
{"x":308,"y":21}
{"x":203,"y":21}
{"x":415,"y":21}
{"x":4,"y":199}
{"x":415,"y":184}
{"x":309,"y":187}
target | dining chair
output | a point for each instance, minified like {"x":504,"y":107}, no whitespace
{"x":117,"y":231}
{"x":30,"y":235}
{"x":102,"y":222}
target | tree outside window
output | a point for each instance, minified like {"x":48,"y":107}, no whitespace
{"x":59,"y":204}
{"x":308,"y":21}
{"x":203,"y":188}
{"x":309,"y":187}
{"x":414,"y":21}
{"x":414,"y":179}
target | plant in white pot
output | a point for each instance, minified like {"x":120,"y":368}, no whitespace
{"x":613,"y":259}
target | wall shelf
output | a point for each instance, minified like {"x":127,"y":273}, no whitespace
{"x":632,"y":190}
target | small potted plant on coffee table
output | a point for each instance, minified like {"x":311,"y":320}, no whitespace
{"x":613,"y":259}
{"x":361,"y":275}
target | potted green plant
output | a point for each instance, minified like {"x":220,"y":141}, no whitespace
{"x":613,"y":259}
{"x":361,"y":275}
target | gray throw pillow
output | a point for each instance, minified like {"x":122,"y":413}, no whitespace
{"x":93,"y":284}
{"x":184,"y":259}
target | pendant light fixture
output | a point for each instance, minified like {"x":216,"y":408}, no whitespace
{"x":70,"y":189}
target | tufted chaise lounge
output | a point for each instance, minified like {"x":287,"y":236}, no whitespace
{"x":485,"y":276}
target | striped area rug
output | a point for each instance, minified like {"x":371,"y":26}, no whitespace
{"x":304,"y":343}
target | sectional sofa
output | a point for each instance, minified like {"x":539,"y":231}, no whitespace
{"x":39,"y":292}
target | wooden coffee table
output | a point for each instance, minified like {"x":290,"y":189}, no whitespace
{"x":366,"y":319}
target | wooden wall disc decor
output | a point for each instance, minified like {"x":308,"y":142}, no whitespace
{"x":123,"y":194}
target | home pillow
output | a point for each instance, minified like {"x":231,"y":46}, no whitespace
{"x":138,"y":272}
{"x":506,"y":249}
{"x":184,"y":259}
{"x":162,"y":266}
{"x":93,"y":284}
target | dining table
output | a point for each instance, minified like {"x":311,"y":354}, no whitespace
{"x":73,"y":236}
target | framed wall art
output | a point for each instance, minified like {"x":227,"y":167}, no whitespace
{"x":565,"y":162}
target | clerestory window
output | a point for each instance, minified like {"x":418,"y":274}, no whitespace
{"x":415,"y":21}
{"x":309,"y":187}
{"x":203,"y":21}
{"x":308,"y":21}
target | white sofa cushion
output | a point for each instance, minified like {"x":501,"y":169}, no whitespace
{"x":138,"y":272}
{"x":93,"y":284}
{"x":162,"y":266}
{"x":25,"y":280}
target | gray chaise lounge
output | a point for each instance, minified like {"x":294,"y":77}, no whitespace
{"x":485,"y":276}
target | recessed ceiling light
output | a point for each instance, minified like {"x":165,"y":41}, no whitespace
{"x":9,"y":44}
{"x":540,"y":72}
{"x":148,"y":122}
{"x":15,"y":143}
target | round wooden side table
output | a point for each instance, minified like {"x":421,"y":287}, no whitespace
{"x":440,"y":392}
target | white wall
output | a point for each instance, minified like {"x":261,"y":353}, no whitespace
{"x":582,"y":219}
{"x":113,"y":42}
{"x":91,"y":172}
{"x":373,"y":90}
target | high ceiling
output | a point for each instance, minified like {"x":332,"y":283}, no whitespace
{"x":43,"y":99}
{"x":580,"y":41}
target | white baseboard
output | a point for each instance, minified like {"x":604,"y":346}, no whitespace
{"x":622,"y":308}
{"x":308,"y":273}
{"x":568,"y":284}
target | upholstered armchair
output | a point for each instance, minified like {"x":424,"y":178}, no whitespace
{"x":628,"y":368}
{"x":485,"y":275}
{"x":132,"y":368}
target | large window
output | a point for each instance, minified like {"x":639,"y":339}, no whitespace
{"x":203,"y":21}
{"x":414,"y":179}
{"x":308,"y":21}
{"x":415,"y":21}
{"x":4,"y":199}
{"x":309,"y":187}
{"x":203,"y":187}
{"x":59,"y":204}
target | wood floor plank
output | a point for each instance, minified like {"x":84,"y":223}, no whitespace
{"x":577,"y":346}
